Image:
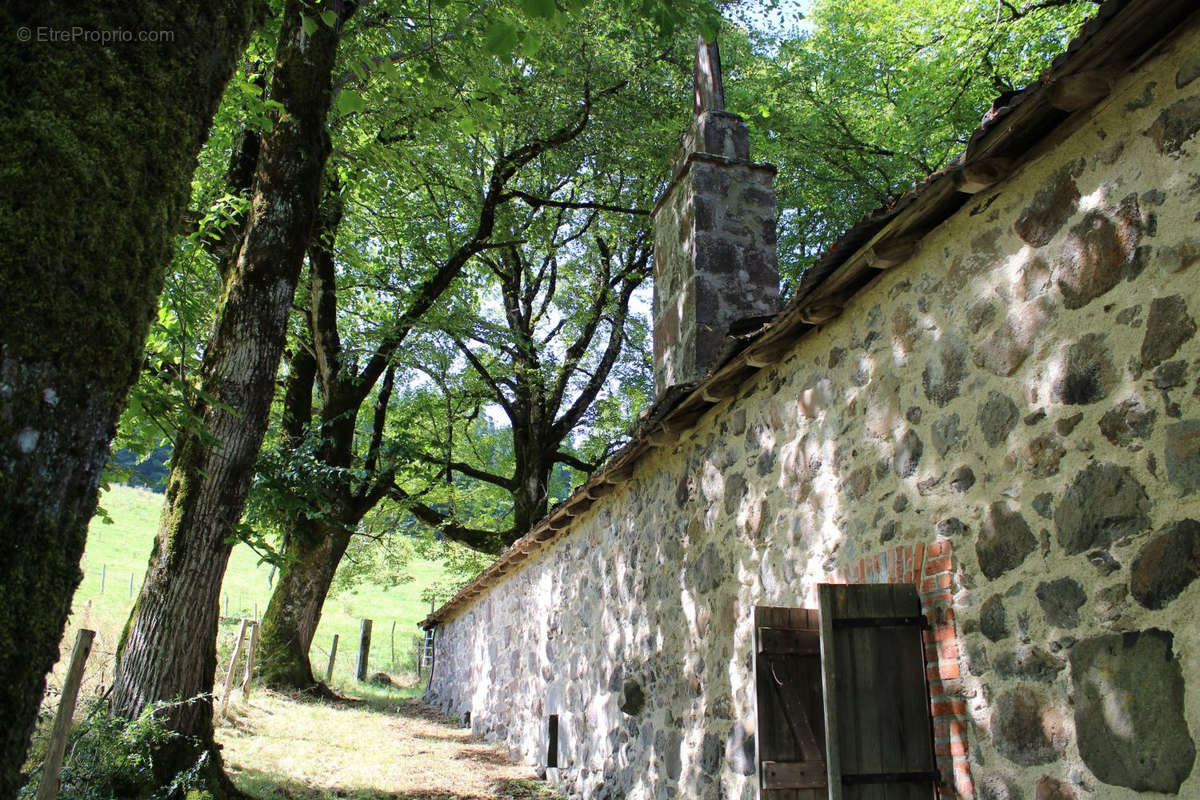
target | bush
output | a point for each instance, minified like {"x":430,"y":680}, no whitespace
{"x":112,"y":758}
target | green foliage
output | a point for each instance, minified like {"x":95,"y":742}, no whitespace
{"x":111,"y":758}
{"x":162,"y":401}
{"x":134,"y":470}
{"x":291,"y":482}
{"x":423,"y":113}
{"x":869,"y":96}
{"x":853,"y":105}
{"x":392,"y":548}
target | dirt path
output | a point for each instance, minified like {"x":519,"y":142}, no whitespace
{"x":276,"y":747}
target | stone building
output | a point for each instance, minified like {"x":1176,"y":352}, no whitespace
{"x":987,"y":396}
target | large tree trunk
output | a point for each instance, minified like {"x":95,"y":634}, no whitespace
{"x":312,"y":552}
{"x":168,"y":651}
{"x":314,"y":547}
{"x":533,"y":458}
{"x":99,"y":143}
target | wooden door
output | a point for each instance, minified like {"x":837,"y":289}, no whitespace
{"x":791,"y":725}
{"x":876,"y":698}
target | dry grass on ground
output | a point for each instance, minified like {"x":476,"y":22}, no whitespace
{"x":389,"y":748}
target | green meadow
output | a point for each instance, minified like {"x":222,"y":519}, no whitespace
{"x":115,"y":561}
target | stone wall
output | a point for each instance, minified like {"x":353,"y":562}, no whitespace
{"x":1011,"y":419}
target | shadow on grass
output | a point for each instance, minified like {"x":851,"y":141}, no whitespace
{"x":393,"y":700}
{"x":482,"y":755}
{"x":264,"y":786}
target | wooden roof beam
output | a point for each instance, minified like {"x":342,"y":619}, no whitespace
{"x":599,"y":489}
{"x":721,"y":390}
{"x":1082,"y":89}
{"x":621,"y":474}
{"x":662,"y":436}
{"x":892,"y":252}
{"x":821,"y":312}
{"x":768,"y":353}
{"x":978,"y":175}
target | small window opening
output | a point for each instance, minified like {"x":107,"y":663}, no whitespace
{"x":552,"y":746}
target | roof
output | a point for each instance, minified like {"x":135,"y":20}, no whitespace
{"x":1120,"y":36}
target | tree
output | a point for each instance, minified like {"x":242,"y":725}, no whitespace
{"x":168,"y":649}
{"x":544,"y":357}
{"x":517,"y":122}
{"x":99,"y":143}
{"x":873,"y":95}
{"x":355,"y":473}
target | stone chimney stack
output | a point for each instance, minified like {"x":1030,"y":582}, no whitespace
{"x":714,"y":237}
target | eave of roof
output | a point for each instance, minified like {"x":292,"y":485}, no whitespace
{"x":1122,"y":34}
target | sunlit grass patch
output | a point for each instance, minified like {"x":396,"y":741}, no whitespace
{"x":385,"y":746}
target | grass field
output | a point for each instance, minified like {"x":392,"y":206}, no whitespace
{"x":115,"y":561}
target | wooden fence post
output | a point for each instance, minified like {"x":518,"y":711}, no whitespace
{"x":332,"y":656}
{"x":233,"y":660}
{"x":48,"y":786}
{"x":393,"y":662}
{"x":364,"y":650}
{"x":103,"y":576}
{"x":250,"y":659}
{"x":131,"y":586}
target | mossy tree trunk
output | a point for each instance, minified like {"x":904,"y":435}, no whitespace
{"x":99,"y":143}
{"x":290,"y":621}
{"x":168,"y":650}
{"x":314,"y":546}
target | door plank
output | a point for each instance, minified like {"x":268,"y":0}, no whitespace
{"x":790,"y":740}
{"x":875,"y":693}
{"x":795,"y":642}
{"x":826,"y":603}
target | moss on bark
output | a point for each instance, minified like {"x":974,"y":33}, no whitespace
{"x":99,"y":142}
{"x":169,"y":649}
{"x":290,"y":621}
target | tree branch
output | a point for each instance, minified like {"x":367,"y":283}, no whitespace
{"x":564,"y":457}
{"x":505,"y":167}
{"x":297,"y":392}
{"x":381,"y":409}
{"x":478,"y":539}
{"x":479,"y":367}
{"x":538,"y":202}
{"x":633,"y":277}
{"x":323,"y":319}
{"x":465,"y":468}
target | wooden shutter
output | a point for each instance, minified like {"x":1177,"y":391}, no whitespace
{"x":876,"y":697}
{"x":791,"y":725}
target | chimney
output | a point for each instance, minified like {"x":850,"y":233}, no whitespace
{"x":714,"y":237}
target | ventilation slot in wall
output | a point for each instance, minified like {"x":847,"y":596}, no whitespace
{"x":552,"y":746}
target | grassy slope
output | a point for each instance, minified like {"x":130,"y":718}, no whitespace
{"x":117,"y":551}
